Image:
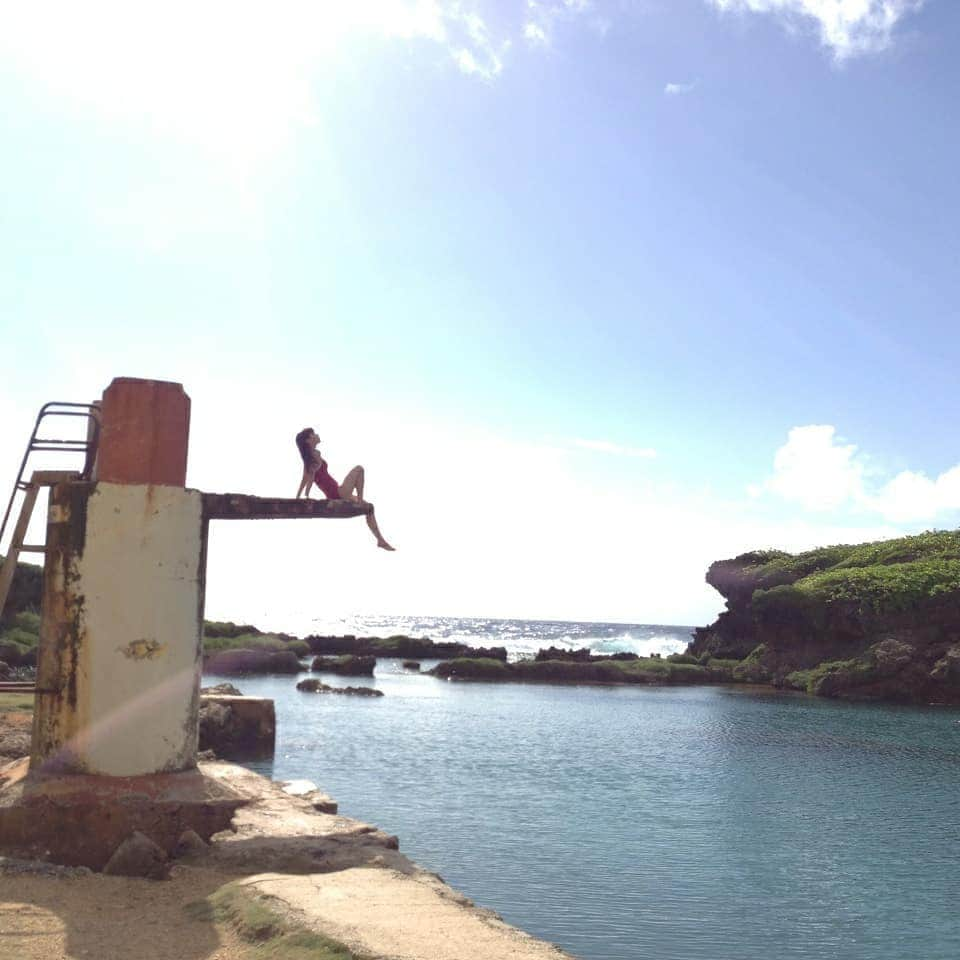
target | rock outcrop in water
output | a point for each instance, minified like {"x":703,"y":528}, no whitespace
{"x":259,"y":660}
{"x":345,"y":666}
{"x":614,"y":668}
{"x":873,"y":621}
{"x":315,"y":686}
{"x":411,"y":648}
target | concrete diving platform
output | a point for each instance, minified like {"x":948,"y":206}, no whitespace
{"x":242,"y":506}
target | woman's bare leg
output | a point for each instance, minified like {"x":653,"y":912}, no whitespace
{"x":352,"y":489}
{"x":352,"y":486}
{"x":375,"y":530}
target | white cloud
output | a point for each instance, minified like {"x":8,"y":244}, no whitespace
{"x":543,"y":15}
{"x":848,"y":28}
{"x":607,"y":446}
{"x":820,"y":472}
{"x":913,"y":497}
{"x":678,"y":89}
{"x":534,"y":32}
{"x":816,"y":471}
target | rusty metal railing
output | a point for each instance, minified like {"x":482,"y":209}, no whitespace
{"x":88,"y":447}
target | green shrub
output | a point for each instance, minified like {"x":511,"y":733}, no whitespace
{"x":220,"y":628}
{"x":300,"y":647}
{"x":246,"y":641}
{"x":933,"y":545}
{"x":682,"y":658}
{"x":886,"y":588}
{"x":27,"y":620}
{"x":786,"y":569}
{"x":798,"y":680}
{"x":718,"y":663}
{"x":19,"y":636}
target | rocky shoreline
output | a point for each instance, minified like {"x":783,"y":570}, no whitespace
{"x":875,"y":621}
{"x":288,"y":878}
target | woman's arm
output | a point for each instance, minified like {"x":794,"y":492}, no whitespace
{"x":306,"y":483}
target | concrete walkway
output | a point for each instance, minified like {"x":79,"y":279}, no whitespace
{"x":349,"y":881}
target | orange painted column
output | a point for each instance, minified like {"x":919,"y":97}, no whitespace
{"x":145,"y":429}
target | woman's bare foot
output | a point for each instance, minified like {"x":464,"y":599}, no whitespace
{"x":383,"y":545}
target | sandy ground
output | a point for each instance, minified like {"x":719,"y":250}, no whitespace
{"x":389,"y":914}
{"x":111,"y":918}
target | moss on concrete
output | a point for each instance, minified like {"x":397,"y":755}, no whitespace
{"x":259,"y":922}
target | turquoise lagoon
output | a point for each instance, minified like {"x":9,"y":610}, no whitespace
{"x":625,"y":823}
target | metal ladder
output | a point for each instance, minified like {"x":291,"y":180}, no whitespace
{"x":44,"y":478}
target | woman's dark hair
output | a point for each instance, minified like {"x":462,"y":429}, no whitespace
{"x":306,"y":454}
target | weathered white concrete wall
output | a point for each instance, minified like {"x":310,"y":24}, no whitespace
{"x":134,"y":600}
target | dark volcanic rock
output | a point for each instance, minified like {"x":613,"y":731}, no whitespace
{"x":237,"y":727}
{"x":651,"y":670}
{"x":221,"y":689}
{"x":583,"y":655}
{"x":347,"y":666}
{"x":315,"y":686}
{"x":13,"y":655}
{"x":138,"y":856}
{"x":190,"y":842}
{"x":264,"y":660}
{"x":400,"y":646}
{"x":411,"y":664}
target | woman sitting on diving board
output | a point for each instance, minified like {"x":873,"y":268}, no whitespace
{"x":315,"y":472}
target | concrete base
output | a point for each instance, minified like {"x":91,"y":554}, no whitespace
{"x":79,"y":820}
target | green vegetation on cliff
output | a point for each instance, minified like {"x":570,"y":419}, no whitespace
{"x":877,"y":620}
{"x":886,"y":576}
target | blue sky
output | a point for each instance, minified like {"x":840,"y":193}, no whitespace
{"x":598,"y":292}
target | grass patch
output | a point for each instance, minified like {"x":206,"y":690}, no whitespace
{"x":817,"y":680}
{"x":256,"y":919}
{"x":16,"y":702}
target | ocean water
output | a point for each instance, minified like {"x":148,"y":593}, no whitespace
{"x":678,"y":824}
{"x":520,"y":637}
